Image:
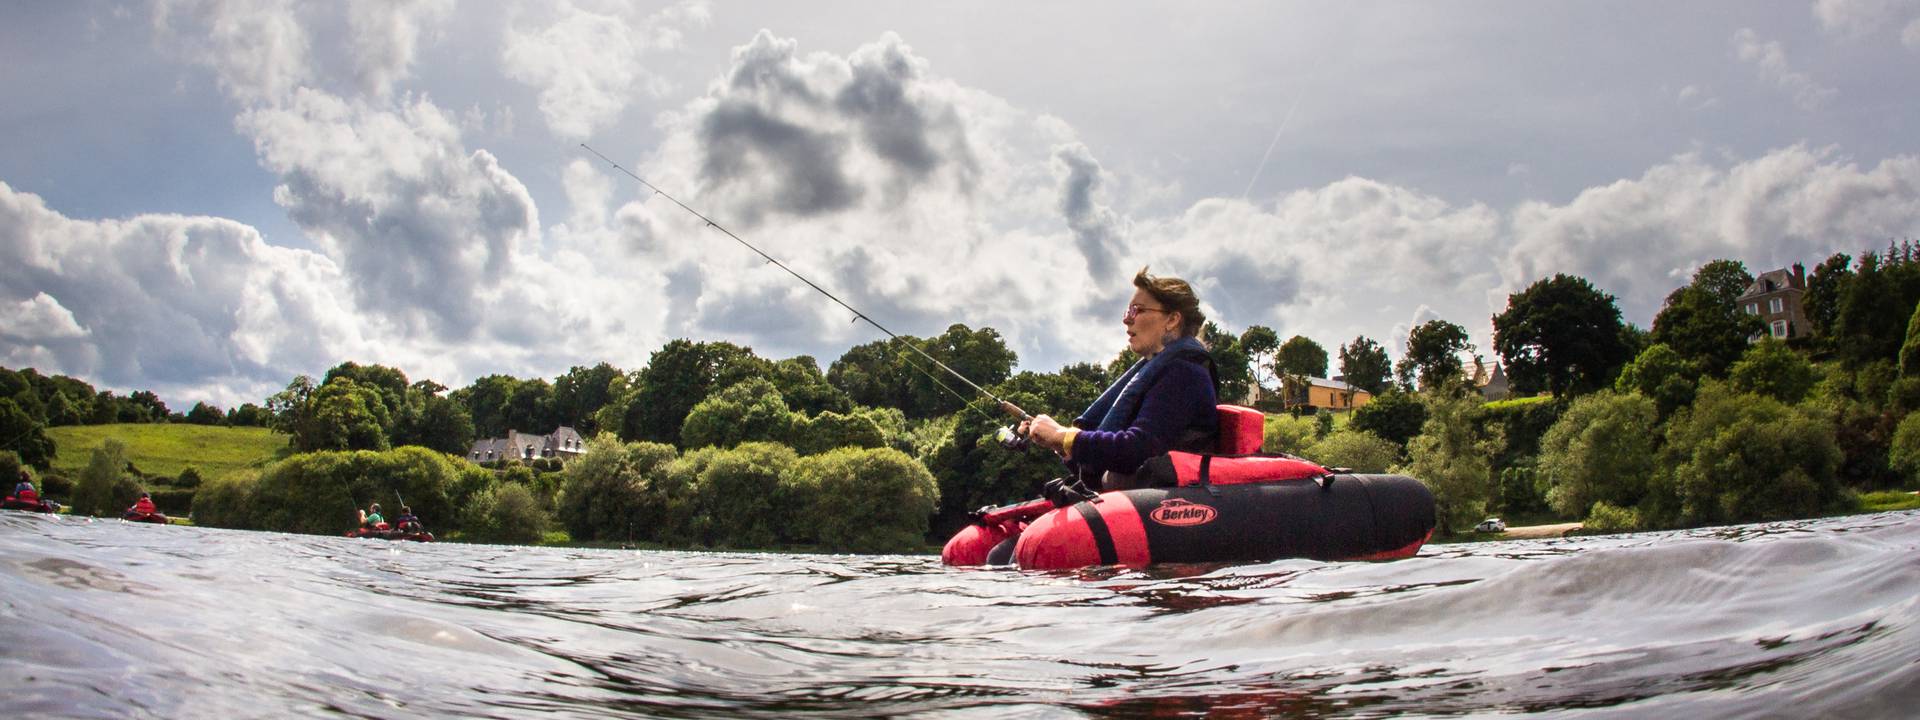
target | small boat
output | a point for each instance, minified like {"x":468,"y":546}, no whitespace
{"x":382,"y":532}
{"x":29,"y":504}
{"x":157,"y":518}
{"x":1238,"y":505}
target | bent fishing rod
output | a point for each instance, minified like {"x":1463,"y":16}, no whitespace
{"x":1007,"y":407}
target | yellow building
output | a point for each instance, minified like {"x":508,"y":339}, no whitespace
{"x":1322,"y":393}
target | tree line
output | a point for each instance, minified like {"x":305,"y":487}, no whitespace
{"x":1617,"y":426}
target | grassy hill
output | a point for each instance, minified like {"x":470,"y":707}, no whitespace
{"x":166,"y":449}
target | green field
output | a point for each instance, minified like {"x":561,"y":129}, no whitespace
{"x":166,"y":449}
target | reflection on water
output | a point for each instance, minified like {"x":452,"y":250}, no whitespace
{"x":113,"y":619}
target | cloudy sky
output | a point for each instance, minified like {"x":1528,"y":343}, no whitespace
{"x":207,"y":197}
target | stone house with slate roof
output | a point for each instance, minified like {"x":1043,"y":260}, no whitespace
{"x":563,"y":443}
{"x":1776,"y":297}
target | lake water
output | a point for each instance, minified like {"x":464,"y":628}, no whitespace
{"x":114,"y":620}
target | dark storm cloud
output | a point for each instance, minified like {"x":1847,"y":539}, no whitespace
{"x":822,"y":134}
{"x":898,"y":128}
{"x":1240,"y":290}
{"x":1096,"y":230}
{"x":804,"y":164}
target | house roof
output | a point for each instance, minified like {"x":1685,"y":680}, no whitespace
{"x":563,"y":439}
{"x":1773,"y":281}
{"x":1333,"y":385}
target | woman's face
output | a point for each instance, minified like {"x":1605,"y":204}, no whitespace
{"x":1148,"y":324}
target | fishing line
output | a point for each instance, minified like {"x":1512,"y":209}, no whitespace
{"x":1007,"y":407}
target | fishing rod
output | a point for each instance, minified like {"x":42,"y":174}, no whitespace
{"x":1005,"y":406}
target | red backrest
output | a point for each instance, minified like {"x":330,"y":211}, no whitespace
{"x":1242,"y":430}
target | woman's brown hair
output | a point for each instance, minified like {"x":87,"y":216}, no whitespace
{"x":1177,"y":296}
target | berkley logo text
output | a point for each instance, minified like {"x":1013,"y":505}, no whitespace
{"x":1180,"y":513}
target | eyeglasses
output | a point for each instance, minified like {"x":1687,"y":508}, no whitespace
{"x":1133,"y":311}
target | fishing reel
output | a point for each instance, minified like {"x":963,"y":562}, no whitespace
{"x":1011,"y":439}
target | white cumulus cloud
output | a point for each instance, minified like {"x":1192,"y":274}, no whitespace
{"x":1771,"y":59}
{"x":587,"y":63}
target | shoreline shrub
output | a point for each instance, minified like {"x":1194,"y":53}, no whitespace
{"x":504,"y":512}
{"x":104,"y":489}
{"x":861,"y":500}
{"x":1600,"y":450}
{"x":735,"y":491}
{"x":1357,"y":450}
{"x":1741,"y":457}
{"x":620,"y":491}
{"x":226,"y":501}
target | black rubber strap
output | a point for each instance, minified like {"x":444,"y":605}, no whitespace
{"x":1206,"y":469}
{"x":1102,"y":537}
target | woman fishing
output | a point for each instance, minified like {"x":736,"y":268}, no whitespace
{"x":1164,"y":402}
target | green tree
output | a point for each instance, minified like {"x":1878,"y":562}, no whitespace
{"x":1769,"y":368}
{"x":1600,"y":450}
{"x":226,"y":501}
{"x":1661,"y":374}
{"x":24,"y":436}
{"x":1561,"y":334}
{"x":579,"y":394}
{"x":433,"y":420}
{"x":291,"y":410}
{"x":249,"y":415}
{"x":829,"y":430}
{"x":1875,"y":305}
{"x":487,"y":400}
{"x":1825,"y":285}
{"x":679,"y":376}
{"x":204,"y":414}
{"x":750,"y":410}
{"x":1904,"y":455}
{"x":1433,"y":354}
{"x":388,"y":382}
{"x":863,"y":500}
{"x":144,"y":406}
{"x":1359,"y":451}
{"x":1300,"y":356}
{"x":979,"y":355}
{"x":806,"y":389}
{"x":1284,"y":433}
{"x":10,"y":468}
{"x":530,"y":407}
{"x":622,"y":491}
{"x":1703,"y":321}
{"x":505,"y":512}
{"x":736,"y":492}
{"x":1451,"y":456}
{"x":1364,"y":364}
{"x":870,"y":375}
{"x":61,"y":410}
{"x":345,"y":416}
{"x":1233,"y":366}
{"x":1739,"y":457}
{"x":1260,"y":343}
{"x":104,"y":488}
{"x":1395,"y":416}
{"x":1910,"y":350}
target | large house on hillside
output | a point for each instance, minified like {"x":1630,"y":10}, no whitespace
{"x":563,"y":443}
{"x":1777,"y":298}
{"x":1322,"y":393}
